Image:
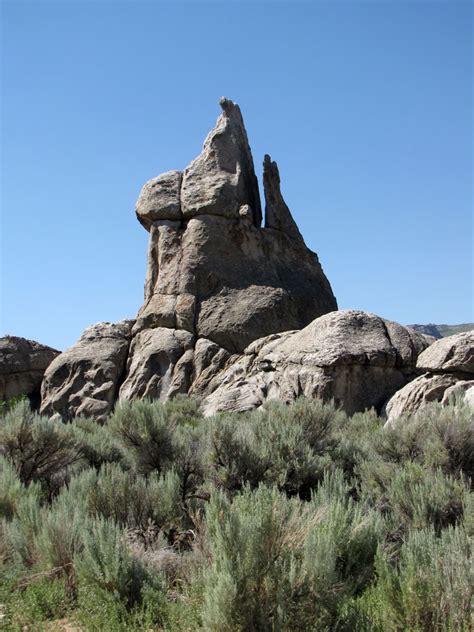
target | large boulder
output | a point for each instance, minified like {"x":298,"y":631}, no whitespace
{"x":354,"y":358}
{"x":22,"y":366}
{"x":447,"y":368}
{"x":160,"y":199}
{"x":454,"y":354}
{"x":85,"y":379}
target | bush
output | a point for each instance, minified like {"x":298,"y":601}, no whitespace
{"x":144,"y":431}
{"x":41,"y":600}
{"x":414,"y":496}
{"x":60,"y":539}
{"x":279,"y":563}
{"x":40,"y":449}
{"x":128,"y":499}
{"x":20,"y":533}
{"x":97,"y":444}
{"x":12,"y":489}
{"x":106,"y":563}
{"x":429,"y":588}
{"x":285,"y":518}
{"x":287,"y":446}
{"x":437,"y":436}
{"x":99,"y":610}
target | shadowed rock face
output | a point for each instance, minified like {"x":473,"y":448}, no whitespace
{"x":22,"y":366}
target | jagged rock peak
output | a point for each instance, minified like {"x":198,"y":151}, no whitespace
{"x":222,"y":178}
{"x":212,"y":269}
{"x":277,"y":213}
{"x":220,"y":181}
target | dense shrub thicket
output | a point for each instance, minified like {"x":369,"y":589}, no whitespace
{"x":286,"y":518}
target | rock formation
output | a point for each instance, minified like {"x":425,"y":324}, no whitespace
{"x":447,"y":368}
{"x":22,"y":366}
{"x":237,"y":313}
{"x":216,"y":281}
{"x":212,"y":269}
{"x":352,"y":357}
{"x":85,"y":379}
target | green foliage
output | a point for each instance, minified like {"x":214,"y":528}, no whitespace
{"x":144,"y":430}
{"x":438,"y":436}
{"x":97,"y":444}
{"x":60,"y":538}
{"x":39,"y":448}
{"x":430,"y":586}
{"x":286,"y":518}
{"x":43,"y":599}
{"x":287,"y":446}
{"x":20,"y":533}
{"x":12,"y":490}
{"x":279,"y":563}
{"x":6,"y":405}
{"x":106,"y":562}
{"x":101,"y":611}
{"x":127,"y":498}
{"x":414,"y":496}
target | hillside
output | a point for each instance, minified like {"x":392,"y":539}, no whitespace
{"x":442,"y":331}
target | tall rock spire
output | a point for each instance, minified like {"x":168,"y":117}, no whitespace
{"x":277,"y":213}
{"x":221,"y":180}
{"x":216,"y":281}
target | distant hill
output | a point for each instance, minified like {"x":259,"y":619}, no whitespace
{"x":441,"y":331}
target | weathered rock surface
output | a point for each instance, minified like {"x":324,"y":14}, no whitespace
{"x":160,"y":364}
{"x":212,"y":269}
{"x":221,"y":180}
{"x":160,"y":199}
{"x":426,"y":388}
{"x":22,"y":366}
{"x":357,"y":359}
{"x":451,"y":354}
{"x":469,"y":397}
{"x":216,"y":281}
{"x":84,"y":380}
{"x":448,"y":367}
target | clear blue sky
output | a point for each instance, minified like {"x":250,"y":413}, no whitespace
{"x":366,"y":107}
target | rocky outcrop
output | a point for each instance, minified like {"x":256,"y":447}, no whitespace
{"x":160,"y":364}
{"x":160,"y":199}
{"x":448,"y":371}
{"x":85,"y":379}
{"x":213,"y":270}
{"x":354,"y":358}
{"x":22,"y":366}
{"x":221,"y":180}
{"x":454,"y":354}
{"x":216,"y":281}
